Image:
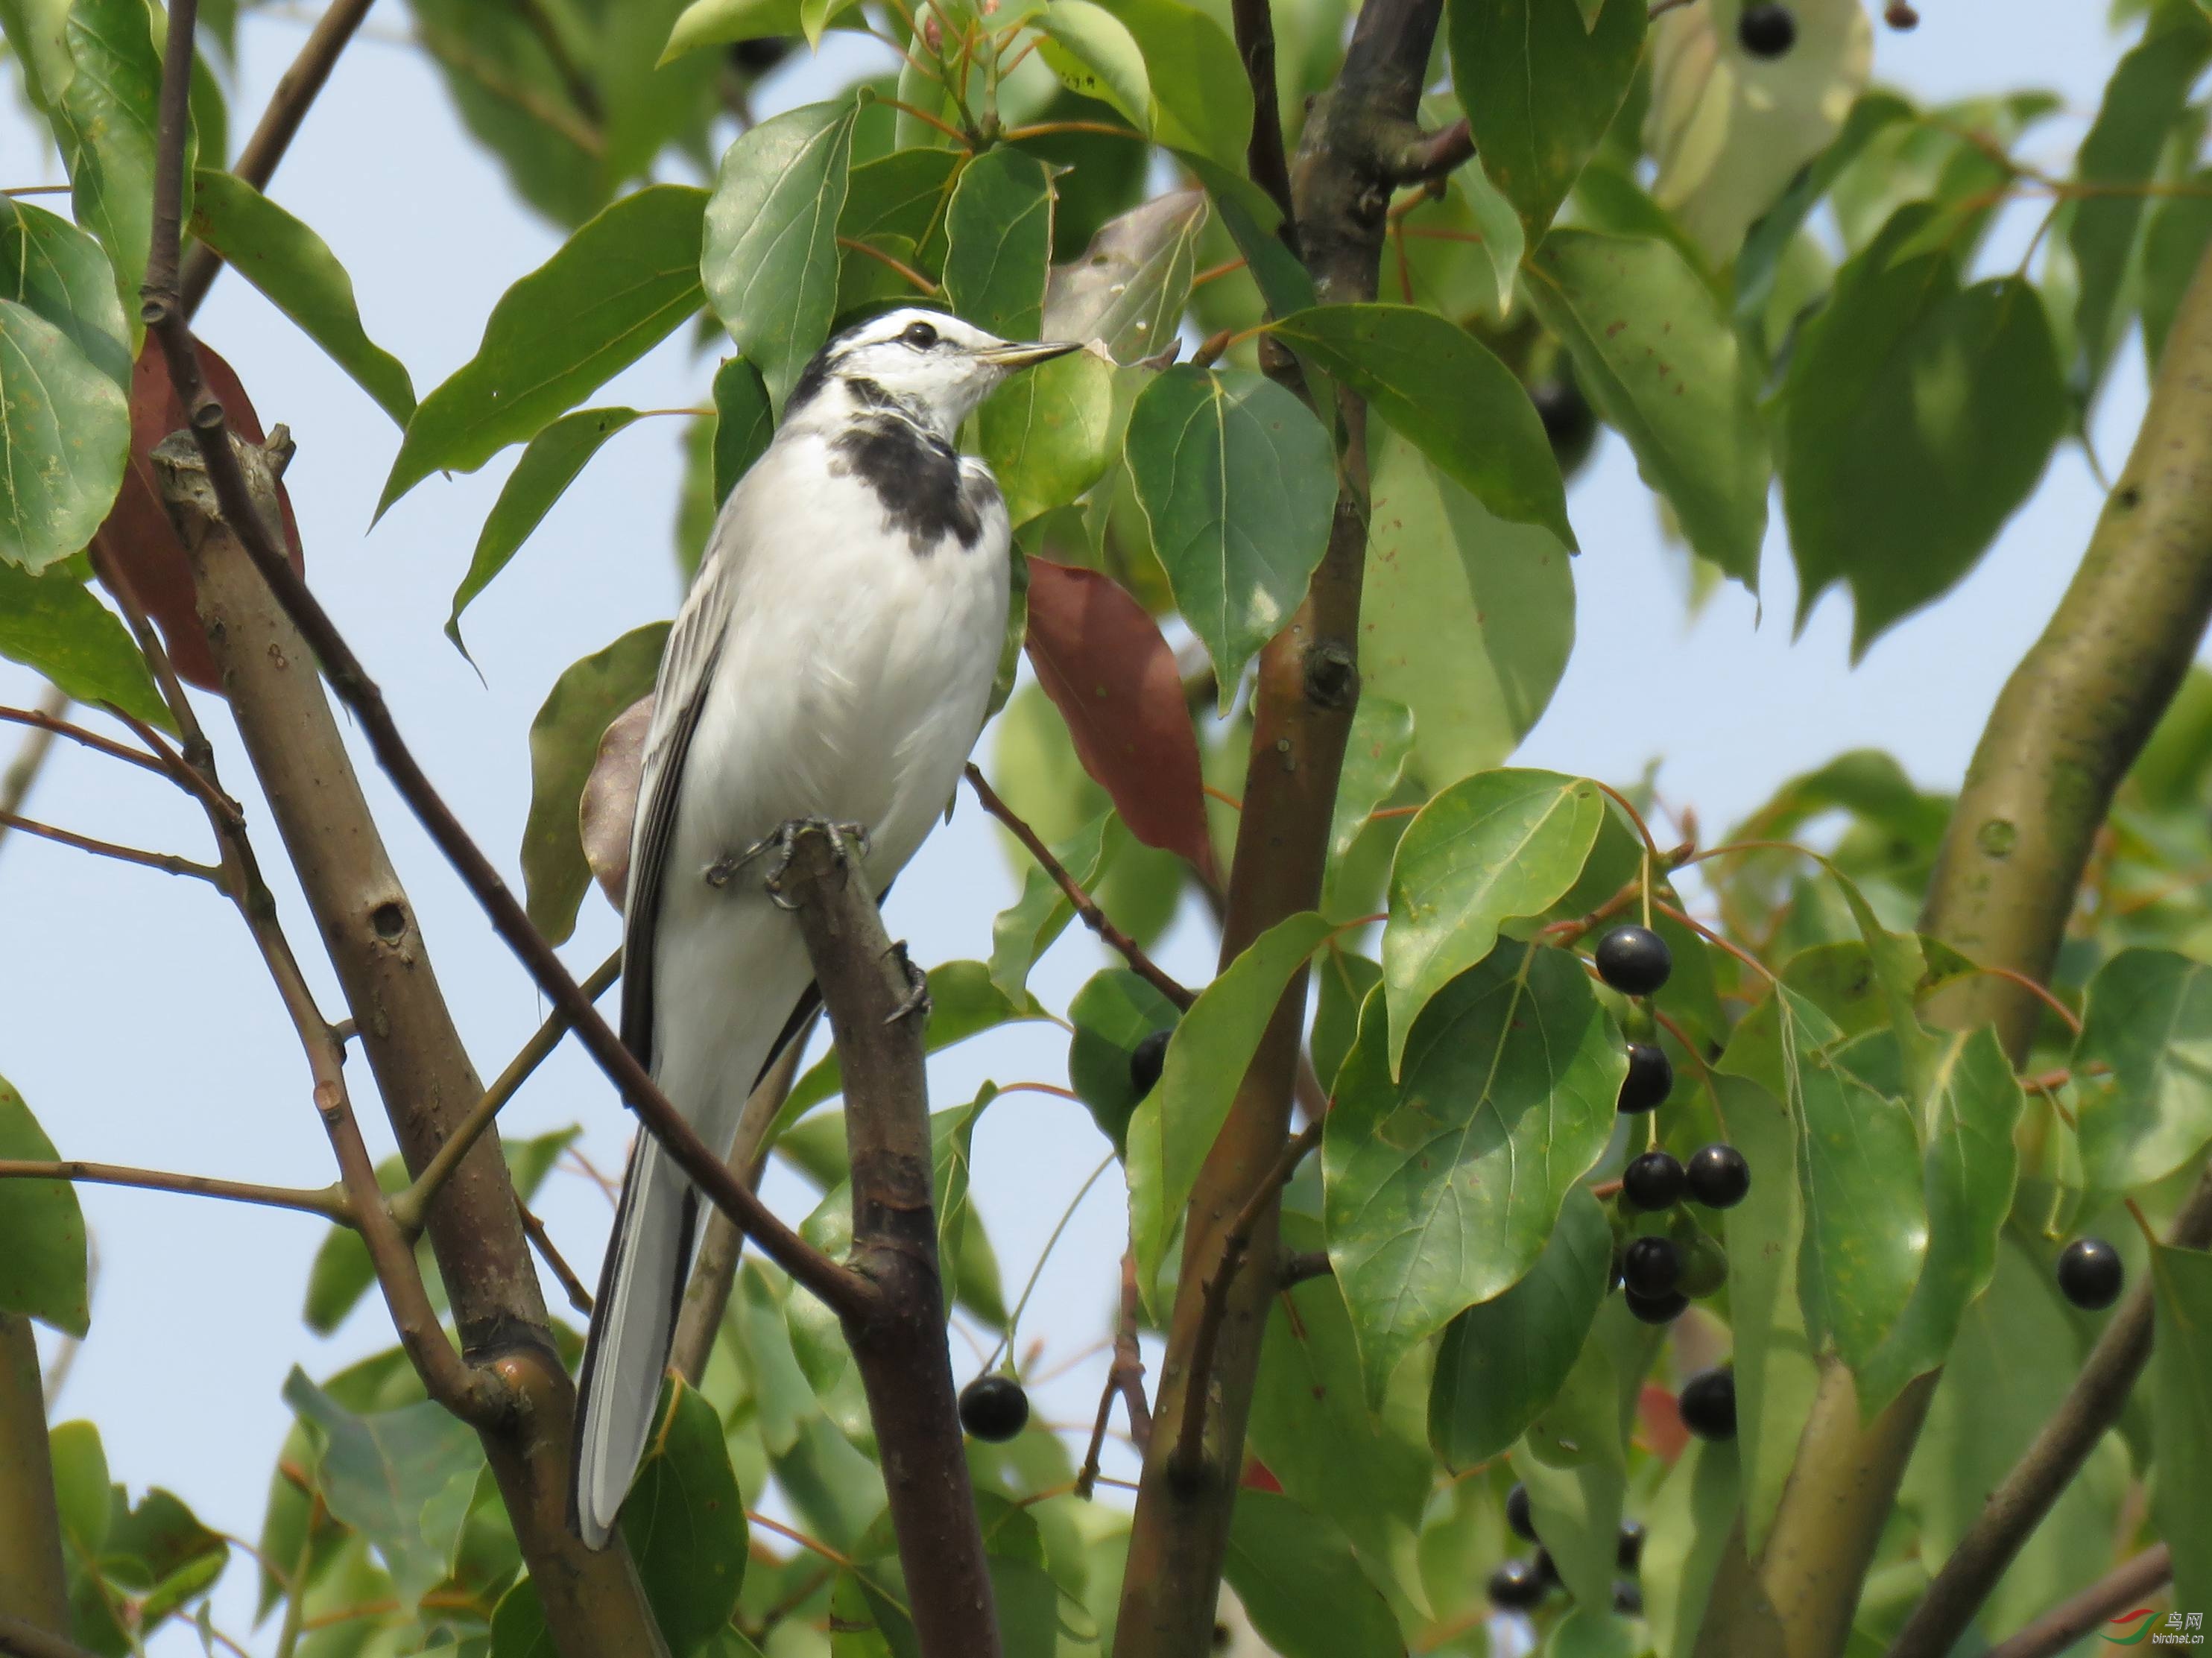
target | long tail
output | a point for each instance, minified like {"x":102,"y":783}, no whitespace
{"x":632,"y":1327}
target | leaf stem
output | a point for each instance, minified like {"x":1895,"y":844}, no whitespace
{"x":920,"y":282}
{"x":328,"y":1201}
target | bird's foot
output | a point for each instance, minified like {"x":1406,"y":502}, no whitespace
{"x":844,"y":839}
{"x":917,"y":987}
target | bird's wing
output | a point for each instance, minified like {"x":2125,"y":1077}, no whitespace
{"x":687,"y":668}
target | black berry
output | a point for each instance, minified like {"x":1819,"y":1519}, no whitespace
{"x":2089,"y":1273}
{"x":1547,"y":1568}
{"x":1627,"y":1598}
{"x":1718,"y":1177}
{"x":1708,"y":1404}
{"x":1901,"y":16}
{"x":993,"y":1408}
{"x":1634,"y":960}
{"x":1516,"y":1586}
{"x":1658,"y":1309}
{"x":1650,"y":1080}
{"x":1568,"y":421}
{"x":1517,"y":1514}
{"x":1651,"y":1267}
{"x":1631,"y":1553}
{"x":1146,"y":1060}
{"x":1767,"y":30}
{"x":1654,"y":1181}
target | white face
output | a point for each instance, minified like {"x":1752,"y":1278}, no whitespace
{"x":940,"y":367}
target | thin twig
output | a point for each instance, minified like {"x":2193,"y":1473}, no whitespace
{"x":1093,"y":917}
{"x":1125,"y":1380}
{"x":328,"y":1201}
{"x":2076,"y":1615}
{"x":296,"y":90}
{"x":1265,"y":158}
{"x":30,"y":758}
{"x":1189,"y":1456}
{"x":167,"y":862}
{"x":48,"y":720}
{"x":410,"y":1206}
{"x":920,"y":283}
{"x":542,"y":1240}
{"x":1303,"y":1265}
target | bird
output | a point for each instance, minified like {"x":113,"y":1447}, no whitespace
{"x":833,"y":661}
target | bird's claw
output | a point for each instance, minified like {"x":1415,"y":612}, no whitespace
{"x":781,"y":840}
{"x":917,"y":987}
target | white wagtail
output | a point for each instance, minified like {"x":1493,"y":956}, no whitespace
{"x":833,"y":662}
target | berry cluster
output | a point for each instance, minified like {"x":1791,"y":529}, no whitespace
{"x":1662,"y":1273}
{"x":1521,"y":1584}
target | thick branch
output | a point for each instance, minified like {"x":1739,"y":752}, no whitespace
{"x":2066,"y":728}
{"x":328,"y":1201}
{"x":898,"y":1338}
{"x":2123,"y":1586}
{"x":1307,"y":689}
{"x":20,"y":1639}
{"x":1085,"y":906}
{"x":272,"y":136}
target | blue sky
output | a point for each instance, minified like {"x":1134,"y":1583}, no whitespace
{"x":136,"y":1022}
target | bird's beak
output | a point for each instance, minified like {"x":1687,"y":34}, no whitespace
{"x":1023,"y":356}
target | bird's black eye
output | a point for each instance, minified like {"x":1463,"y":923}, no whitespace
{"x":920,"y":335}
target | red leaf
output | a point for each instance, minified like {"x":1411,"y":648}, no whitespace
{"x":608,"y":806}
{"x":1100,"y":658}
{"x":1664,"y":1435}
{"x":1257,"y":1478}
{"x":137,"y":536}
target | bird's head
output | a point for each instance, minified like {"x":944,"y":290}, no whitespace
{"x":932,"y":365}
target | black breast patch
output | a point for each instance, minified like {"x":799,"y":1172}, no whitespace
{"x":915,"y":477}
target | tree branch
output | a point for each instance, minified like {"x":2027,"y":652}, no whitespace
{"x":272,"y":136}
{"x":167,"y":862}
{"x":1125,"y":1380}
{"x":594,"y":1603}
{"x":2065,"y":729}
{"x":24,"y":1640}
{"x":1265,"y":158}
{"x":408,"y":1208}
{"x":706,"y":1297}
{"x":30,"y":758}
{"x":898,"y":1336}
{"x":2071,"y":1619}
{"x":1085,"y":906}
{"x":49,"y":720}
{"x":328,"y":1201}
{"x":1307,"y":689}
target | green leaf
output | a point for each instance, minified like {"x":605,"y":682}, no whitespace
{"x":963,"y":1003}
{"x":1114,"y":1011}
{"x":1655,"y":353}
{"x":52,"y":623}
{"x":1251,"y":217}
{"x":1128,"y":291}
{"x":294,"y":267}
{"x":1174,"y":1127}
{"x":1581,"y":1422}
{"x":1968,"y":1167}
{"x":2181,"y":1416}
{"x":564,"y":740}
{"x":1025,"y":929}
{"x":1301,"y":1586}
{"x":1201,"y":97}
{"x":998,"y":243}
{"x":1916,"y":416}
{"x":82,"y":1497}
{"x":771,"y":237}
{"x":1504,"y":1361}
{"x":1577,"y":1515}
{"x":105,"y":123}
{"x":377,"y":1471}
{"x":518,"y":1625}
{"x":551,"y":463}
{"x":2144,"y":99}
{"x":1370,"y":1472}
{"x":2174,"y":246}
{"x":1237,"y":481}
{"x":38,"y":37}
{"x":1540,"y":90}
{"x":1374,"y":756}
{"x":161,"y":1552}
{"x":43,"y":1258}
{"x":64,"y":440}
{"x":1344,"y":979}
{"x":1442,"y":389}
{"x":2149,"y":1023}
{"x":1465,"y":618}
{"x":1441,"y":1190}
{"x":1768,"y":242}
{"x":49,"y":266}
{"x":1593,"y":1630}
{"x":719,"y":22}
{"x":614,"y":290}
{"x":1093,"y":54}
{"x":1048,"y":434}
{"x":1688,"y":1524}
{"x":1865,"y":1218}
{"x":744,"y":424}
{"x":685,"y":1521}
{"x":1495,"y":846}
